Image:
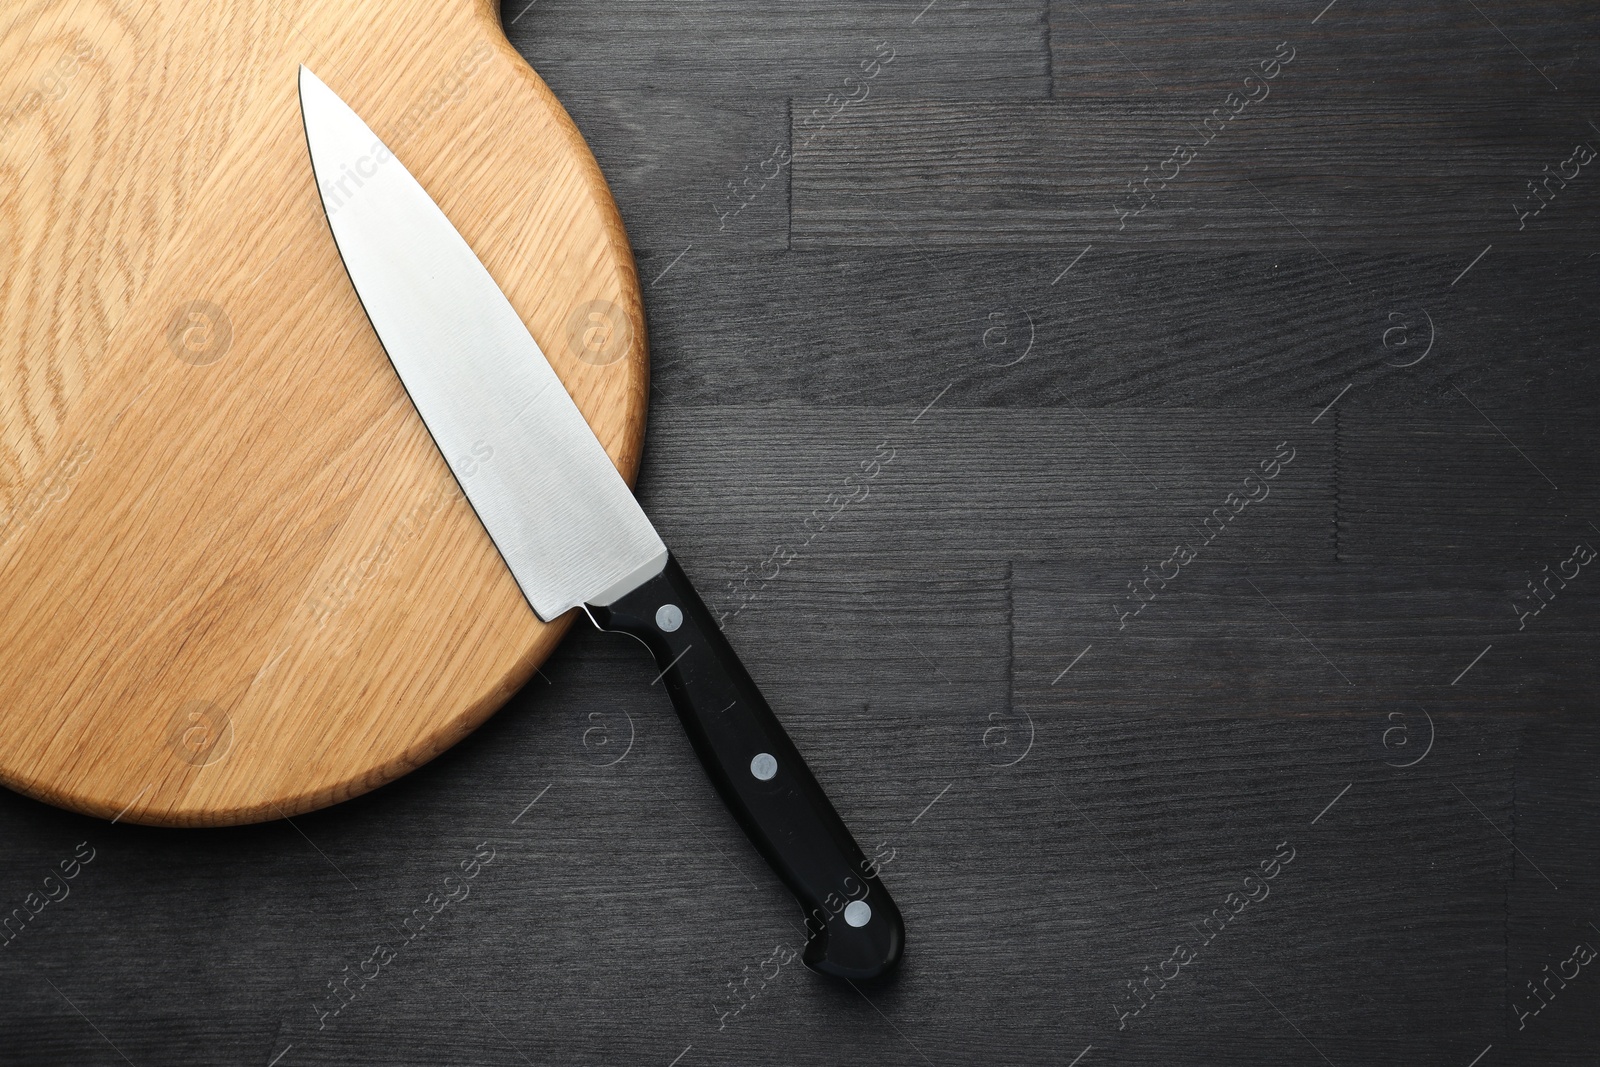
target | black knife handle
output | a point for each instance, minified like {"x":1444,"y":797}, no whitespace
{"x":853,"y":928}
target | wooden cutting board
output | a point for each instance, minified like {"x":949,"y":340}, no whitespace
{"x":237,"y":580}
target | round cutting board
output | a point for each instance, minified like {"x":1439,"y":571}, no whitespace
{"x":237,"y":580}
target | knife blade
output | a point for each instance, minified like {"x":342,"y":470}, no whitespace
{"x":567,"y":526}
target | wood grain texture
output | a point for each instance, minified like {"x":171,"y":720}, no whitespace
{"x":238,"y":579}
{"x":1469,"y":456}
{"x":1410,"y":50}
{"x":1301,"y":638}
{"x":672,"y":167}
{"x":961,"y":486}
{"x":624,"y":902}
{"x":1272,"y":331}
{"x":1105,"y":169}
{"x":717,"y":49}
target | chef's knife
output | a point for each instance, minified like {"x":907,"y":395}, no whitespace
{"x":567,"y":526}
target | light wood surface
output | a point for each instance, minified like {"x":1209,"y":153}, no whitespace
{"x":918,"y":640}
{"x":237,"y":580}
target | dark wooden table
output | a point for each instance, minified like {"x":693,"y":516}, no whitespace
{"x":1182,"y":659}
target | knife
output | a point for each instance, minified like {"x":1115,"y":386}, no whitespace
{"x":567,"y":525}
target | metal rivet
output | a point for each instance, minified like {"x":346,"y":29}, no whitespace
{"x":857,"y":913}
{"x":764,"y":766}
{"x":669,"y":617}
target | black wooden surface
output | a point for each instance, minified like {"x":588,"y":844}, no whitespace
{"x":1067,"y":789}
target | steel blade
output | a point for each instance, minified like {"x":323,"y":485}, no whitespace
{"x":561,"y":516}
